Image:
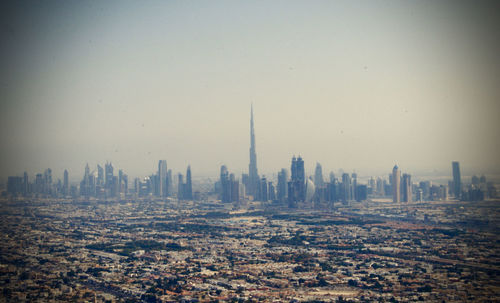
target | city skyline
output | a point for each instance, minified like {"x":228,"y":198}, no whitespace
{"x":250,"y":151}
{"x":351,"y":85}
{"x":252,"y":169}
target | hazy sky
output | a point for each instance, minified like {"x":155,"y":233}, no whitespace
{"x":357,"y":85}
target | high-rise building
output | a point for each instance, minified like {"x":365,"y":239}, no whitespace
{"x":170,"y":185}
{"x":108,"y":177}
{"x":47,"y":176}
{"x":162,"y":178}
{"x":346,"y":188}
{"x":115,"y":187}
{"x":318,"y":176}
{"x":425,"y":186}
{"x":354,"y":185}
{"x":100,"y":175}
{"x":253,"y":175}
{"x":87,"y":185}
{"x":234,"y":189}
{"x":15,"y":185}
{"x":271,"y":191}
{"x":121,"y":186}
{"x":125,"y":184}
{"x":188,"y":189}
{"x":406,"y":188}
{"x":263,"y":190}
{"x":420,"y":195}
{"x":224,"y":185}
{"x":298,"y":172}
{"x":26,"y":185}
{"x":66,"y":183}
{"x":38,"y":183}
{"x":228,"y":186}
{"x":332,"y":177}
{"x":380,"y":187}
{"x":457,"y":182}
{"x":180,"y":187}
{"x":282,"y":184}
{"x":361,"y":192}
{"x":332,"y":191}
{"x":297,"y":185}
{"x":396,"y":180}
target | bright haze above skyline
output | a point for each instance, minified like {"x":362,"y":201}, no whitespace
{"x":354,"y":85}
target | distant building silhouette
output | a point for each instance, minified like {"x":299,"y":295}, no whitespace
{"x":396,"y":180}
{"x":100,"y":176}
{"x":162,"y":179}
{"x":188,"y":188}
{"x":457,"y":182}
{"x":253,"y":185}
{"x":108,"y":177}
{"x":297,"y":186}
{"x":263,"y":190}
{"x":229,"y":189}
{"x":26,"y":185}
{"x":65,"y":190}
{"x":318,"y":176}
{"x":180,"y":187}
{"x":15,"y":185}
{"x":346,"y":191}
{"x":406,"y":188}
{"x":282,"y":189}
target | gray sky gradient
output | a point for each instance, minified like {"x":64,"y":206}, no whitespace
{"x":357,"y":85}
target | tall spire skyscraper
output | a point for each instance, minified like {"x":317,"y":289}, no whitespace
{"x":253,"y":175}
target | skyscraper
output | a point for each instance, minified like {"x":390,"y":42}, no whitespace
{"x":346,"y":188}
{"x":180,"y":187}
{"x":229,"y":188}
{"x":170,"y":186}
{"x":354,"y":185}
{"x":66,"y":183}
{"x":406,"y":187}
{"x":396,"y":180}
{"x":457,"y":182}
{"x":297,"y":185}
{"x":225,"y":194}
{"x":162,"y":178}
{"x":188,"y":188}
{"x":298,"y":172}
{"x":25,"y":183}
{"x":318,"y":176}
{"x":282,"y":184}
{"x":120,"y":181}
{"x":100,"y":175}
{"x":263,"y":190}
{"x":108,"y":175}
{"x":253,"y":175}
{"x":234,"y":188}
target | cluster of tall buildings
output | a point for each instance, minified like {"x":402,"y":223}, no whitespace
{"x":161,"y":184}
{"x":401,"y":186}
{"x":185,"y":189}
{"x":229,"y":187}
{"x":295,"y":190}
{"x":103,"y":183}
{"x":478,"y":190}
{"x":41,"y":185}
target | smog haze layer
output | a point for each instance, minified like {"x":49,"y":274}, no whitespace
{"x":350,"y":84}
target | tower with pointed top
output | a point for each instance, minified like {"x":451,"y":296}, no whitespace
{"x":253,"y":175}
{"x":188,"y":192}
